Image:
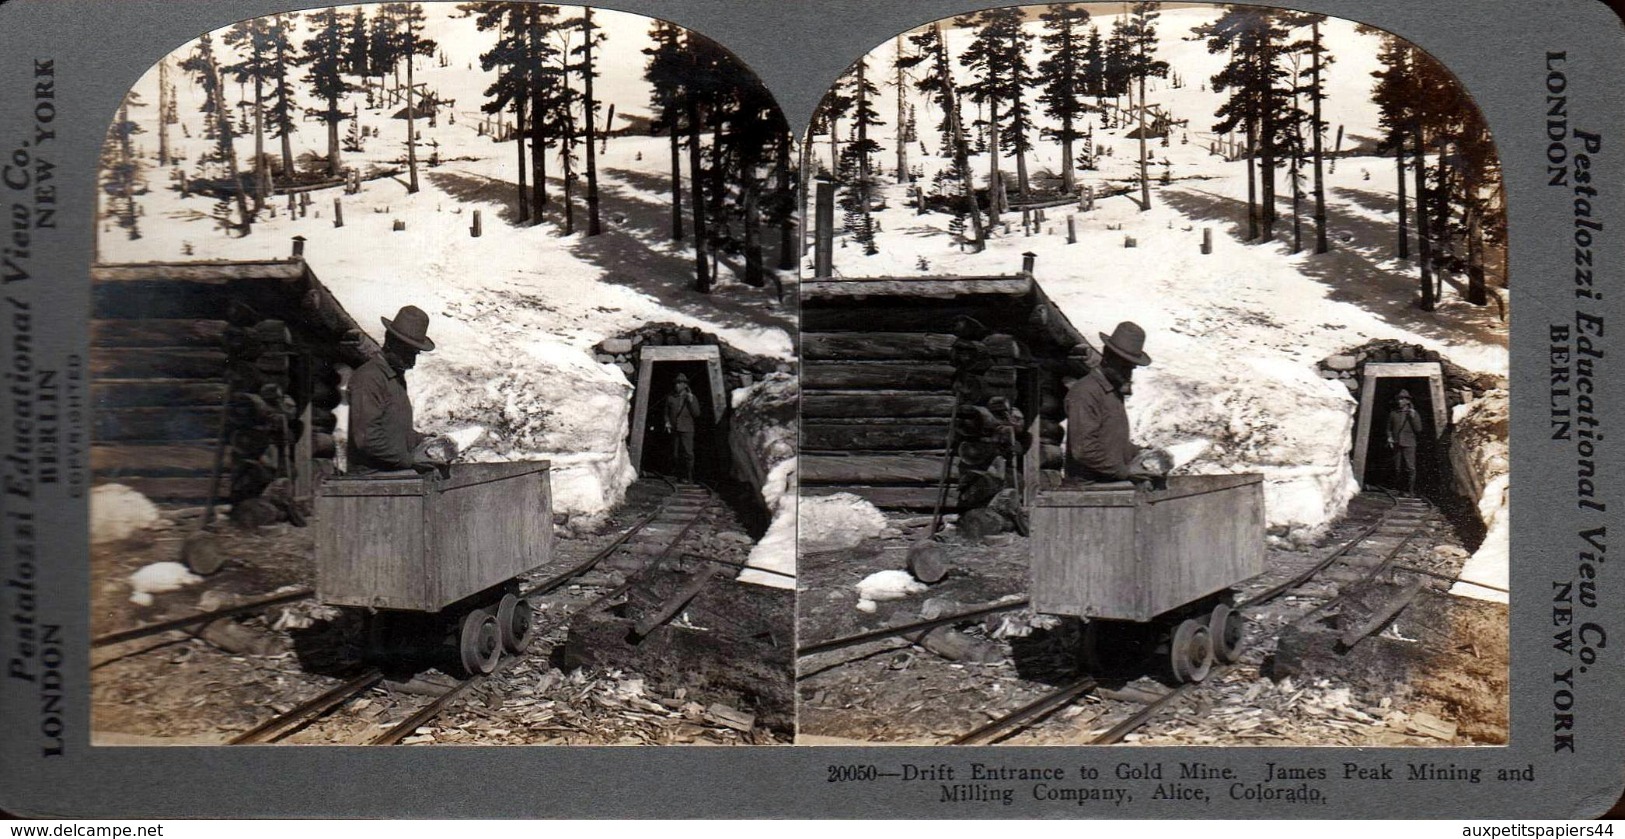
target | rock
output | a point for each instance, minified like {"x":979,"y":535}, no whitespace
{"x":201,"y":553}
{"x":1340,"y":362}
{"x":604,"y":358}
{"x":616,"y":346}
{"x":238,"y":639}
{"x":1328,"y":374}
{"x":730,"y":717}
{"x":1353,"y":385}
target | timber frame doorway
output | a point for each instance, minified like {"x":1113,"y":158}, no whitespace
{"x":648,"y":357}
{"x":1369,"y":408}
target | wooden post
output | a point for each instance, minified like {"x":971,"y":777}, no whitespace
{"x":1071,"y":230}
{"x":476,"y":230}
{"x":1207,"y":240}
{"x":298,"y":247}
{"x":1128,"y":242}
{"x":293,"y":206}
{"x":824,"y":230}
{"x":338,"y":213}
{"x":1026,"y":222}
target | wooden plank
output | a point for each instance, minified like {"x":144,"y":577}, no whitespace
{"x":157,"y":364}
{"x":1083,"y":562}
{"x":1001,"y":314}
{"x":886,"y":375}
{"x":830,"y":434}
{"x":1184,"y":486}
{"x":155,"y":393}
{"x":492,"y":526}
{"x":157,"y":332}
{"x":219,"y":271}
{"x":876,"y":403}
{"x":375,"y":486}
{"x":468,"y":474}
{"x":912,"y":287}
{"x":895,"y":498}
{"x":188,"y":459}
{"x":1198,"y":543}
{"x":875,"y":346}
{"x":869,"y":469}
{"x":159,"y":300}
{"x":370,"y":552}
{"x":156,"y":424}
{"x":168,"y":490}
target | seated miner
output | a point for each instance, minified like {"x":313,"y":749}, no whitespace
{"x":682,"y":409}
{"x":381,"y":437}
{"x":1404,"y":426}
{"x":1097,"y":444}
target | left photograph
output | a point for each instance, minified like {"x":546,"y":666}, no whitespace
{"x":444,"y":386}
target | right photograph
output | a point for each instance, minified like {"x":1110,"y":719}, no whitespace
{"x":1154,"y":387}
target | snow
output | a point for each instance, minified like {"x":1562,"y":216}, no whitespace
{"x":777,"y":549}
{"x":886,"y":585}
{"x":158,"y":578}
{"x":515,"y":312}
{"x":837,"y":522}
{"x":1490,"y":564}
{"x":1234,"y":335}
{"x":117,"y":512}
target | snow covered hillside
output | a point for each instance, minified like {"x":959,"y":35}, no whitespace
{"x":1235,"y":334}
{"x":516,"y":311}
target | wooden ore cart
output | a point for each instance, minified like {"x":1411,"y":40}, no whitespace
{"x":1150,"y":571}
{"x":437,"y":553}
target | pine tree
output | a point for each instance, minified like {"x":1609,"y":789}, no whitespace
{"x":865,"y":119}
{"x":591,"y":37}
{"x":255,"y":44}
{"x":324,"y":57}
{"x":1140,"y":33}
{"x":282,"y":104}
{"x":1255,"y":104}
{"x":664,"y":74}
{"x":931,"y":53}
{"x":123,"y":176}
{"x":405,"y":44}
{"x":1065,"y":96}
{"x":203,"y":64}
{"x":358,"y":52}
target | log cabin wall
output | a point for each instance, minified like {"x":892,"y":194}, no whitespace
{"x":879,"y":375}
{"x":186,"y":357}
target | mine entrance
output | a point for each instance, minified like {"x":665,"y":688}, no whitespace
{"x":1373,"y":457}
{"x":651,"y":446}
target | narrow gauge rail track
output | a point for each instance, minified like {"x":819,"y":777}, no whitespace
{"x":675,"y":518}
{"x":1400,"y":516}
{"x":1401,"y":520}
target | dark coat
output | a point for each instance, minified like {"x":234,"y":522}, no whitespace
{"x":381,"y":437}
{"x":1097,"y":444}
{"x":1403,"y":426}
{"x":682,"y":409}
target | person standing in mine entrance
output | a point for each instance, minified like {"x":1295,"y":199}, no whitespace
{"x":1404,"y":426}
{"x":381,"y":437}
{"x":682,"y":409}
{"x":1097,"y":444}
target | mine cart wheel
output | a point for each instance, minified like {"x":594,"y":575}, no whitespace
{"x":514,"y":620}
{"x":1226,"y":626}
{"x":1190,"y":653}
{"x":1112,"y":646}
{"x":480,"y":642}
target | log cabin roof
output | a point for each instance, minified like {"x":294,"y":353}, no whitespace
{"x":1014,"y":303}
{"x":319,"y":308}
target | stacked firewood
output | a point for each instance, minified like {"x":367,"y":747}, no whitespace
{"x":262,"y":419}
{"x":990,"y":431}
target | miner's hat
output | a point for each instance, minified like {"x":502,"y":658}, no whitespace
{"x":411,"y":325}
{"x":1128,"y":341}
